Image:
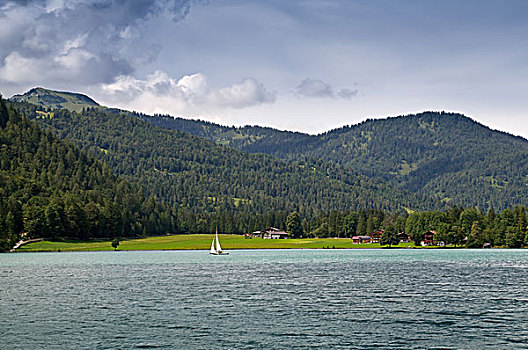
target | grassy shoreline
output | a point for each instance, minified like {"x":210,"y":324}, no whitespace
{"x":201,"y":242}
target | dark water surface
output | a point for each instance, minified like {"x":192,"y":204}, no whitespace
{"x":353,"y":299}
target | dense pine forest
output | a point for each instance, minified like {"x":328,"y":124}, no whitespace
{"x":89,"y":172}
{"x":443,"y":155}
{"x":190,"y":172}
{"x":49,"y":188}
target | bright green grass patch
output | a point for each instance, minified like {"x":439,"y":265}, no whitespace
{"x":177,"y":242}
{"x":238,"y":201}
{"x":42,"y":114}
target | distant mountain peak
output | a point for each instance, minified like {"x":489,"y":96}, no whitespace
{"x":55,"y":99}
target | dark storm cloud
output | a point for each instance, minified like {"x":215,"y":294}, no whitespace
{"x":88,"y":41}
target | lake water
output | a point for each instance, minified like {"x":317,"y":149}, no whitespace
{"x":353,"y":299}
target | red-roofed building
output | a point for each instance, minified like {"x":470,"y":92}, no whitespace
{"x":376,"y":235}
{"x":428,"y":238}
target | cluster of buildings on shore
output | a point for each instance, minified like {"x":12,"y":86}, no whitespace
{"x":374,"y":237}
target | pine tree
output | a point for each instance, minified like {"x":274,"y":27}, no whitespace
{"x":389,"y":237}
{"x":293,"y":224}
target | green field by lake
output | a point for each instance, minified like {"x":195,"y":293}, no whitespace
{"x":198,"y":241}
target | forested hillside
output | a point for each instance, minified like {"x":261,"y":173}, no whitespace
{"x":437,"y":154}
{"x":286,"y":145}
{"x":49,"y":188}
{"x":204,"y":180}
{"x":347,"y":181}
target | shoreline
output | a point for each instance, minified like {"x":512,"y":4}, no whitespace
{"x":203,"y":242}
{"x":246,"y":249}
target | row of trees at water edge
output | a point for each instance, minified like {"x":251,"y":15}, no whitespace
{"x":346,"y":223}
{"x":472,"y":227}
{"x":457,"y":226}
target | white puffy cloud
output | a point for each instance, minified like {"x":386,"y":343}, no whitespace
{"x":191,"y":94}
{"x":15,"y":67}
{"x":318,"y":88}
{"x":247,"y":93}
{"x":193,"y":85}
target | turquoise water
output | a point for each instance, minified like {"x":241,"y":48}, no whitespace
{"x":325,"y":299}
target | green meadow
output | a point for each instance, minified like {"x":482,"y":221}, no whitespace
{"x":198,"y":241}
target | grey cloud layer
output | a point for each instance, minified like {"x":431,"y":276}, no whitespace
{"x":318,"y":88}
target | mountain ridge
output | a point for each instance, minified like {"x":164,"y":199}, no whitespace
{"x":442,"y":154}
{"x":50,"y":99}
{"x":437,"y":154}
{"x":83,"y":98}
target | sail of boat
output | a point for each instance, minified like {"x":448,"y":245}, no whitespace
{"x":213,"y":250}
{"x":216,"y":249}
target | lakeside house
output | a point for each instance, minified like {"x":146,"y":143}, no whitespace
{"x":376,"y":236}
{"x":428,"y":239}
{"x":271,"y":233}
{"x":403,"y":237}
{"x":361,"y":239}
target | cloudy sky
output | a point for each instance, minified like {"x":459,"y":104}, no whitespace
{"x":297,"y":65}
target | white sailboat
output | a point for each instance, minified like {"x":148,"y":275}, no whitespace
{"x":216,"y":249}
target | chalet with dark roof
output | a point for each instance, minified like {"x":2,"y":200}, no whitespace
{"x":361,"y":239}
{"x":403,"y":237}
{"x":428,"y":238}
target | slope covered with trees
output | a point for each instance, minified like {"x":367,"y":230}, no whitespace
{"x":287,"y":145}
{"x":49,"y":188}
{"x":445,"y":155}
{"x":210,"y":184}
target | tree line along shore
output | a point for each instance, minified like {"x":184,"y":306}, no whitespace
{"x":454,"y":228}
